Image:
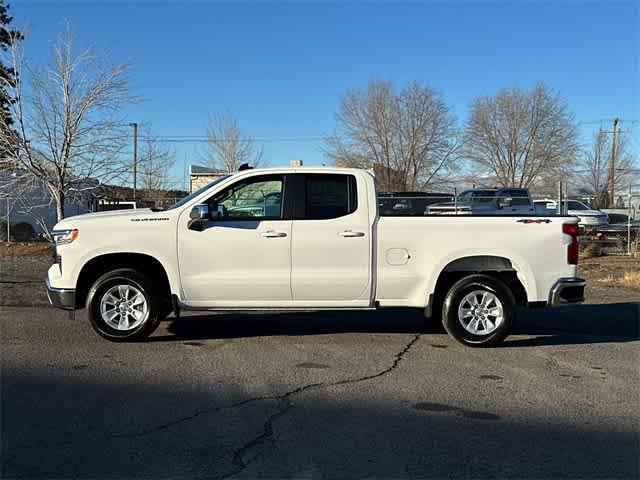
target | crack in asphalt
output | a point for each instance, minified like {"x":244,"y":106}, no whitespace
{"x":284,"y":396}
{"x":267,"y":432}
{"x":208,"y":411}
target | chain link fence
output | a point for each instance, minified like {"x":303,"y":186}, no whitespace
{"x":621,"y":233}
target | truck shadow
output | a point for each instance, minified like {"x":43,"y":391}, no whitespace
{"x":581,"y":324}
{"x":54,"y":426}
{"x":612,"y":322}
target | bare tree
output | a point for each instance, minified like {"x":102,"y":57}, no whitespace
{"x":66,"y":116}
{"x":596,"y":172}
{"x":408,"y":138}
{"x":154,"y":163}
{"x":23,"y":195}
{"x":521,"y":137}
{"x":227,"y":148}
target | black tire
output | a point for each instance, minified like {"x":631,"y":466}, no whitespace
{"x":22,"y":232}
{"x":456,"y":296}
{"x":128,"y":277}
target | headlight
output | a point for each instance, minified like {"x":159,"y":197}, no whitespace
{"x":61,"y":237}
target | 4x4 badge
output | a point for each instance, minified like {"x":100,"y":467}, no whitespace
{"x":534,"y":220}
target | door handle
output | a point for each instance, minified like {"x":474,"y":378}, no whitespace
{"x":350,"y":233}
{"x":272,"y":234}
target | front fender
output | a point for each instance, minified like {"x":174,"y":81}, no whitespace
{"x":164,"y":258}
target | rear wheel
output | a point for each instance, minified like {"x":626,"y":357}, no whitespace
{"x":479,"y":311}
{"x":123,"y":305}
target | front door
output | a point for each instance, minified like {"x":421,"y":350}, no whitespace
{"x":244,"y":258}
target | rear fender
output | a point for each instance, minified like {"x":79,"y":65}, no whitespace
{"x":518,"y":263}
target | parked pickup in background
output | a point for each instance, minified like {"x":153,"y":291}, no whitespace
{"x":312,"y":239}
{"x":409,"y":203}
{"x":486,"y":201}
{"x":587,"y":217}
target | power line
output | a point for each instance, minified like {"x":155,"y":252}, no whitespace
{"x":200,"y":139}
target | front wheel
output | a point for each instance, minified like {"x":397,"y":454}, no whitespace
{"x":123,"y":306}
{"x":479,"y":311}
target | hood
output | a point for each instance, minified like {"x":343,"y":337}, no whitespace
{"x":586,"y":213}
{"x":71,"y":222}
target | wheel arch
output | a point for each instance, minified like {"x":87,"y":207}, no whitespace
{"x":496,"y":266}
{"x":101,"y":264}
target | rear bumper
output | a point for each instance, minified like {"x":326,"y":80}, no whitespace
{"x":64,"y":298}
{"x":567,"y":291}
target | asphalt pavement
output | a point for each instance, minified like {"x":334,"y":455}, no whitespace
{"x":341,"y":395}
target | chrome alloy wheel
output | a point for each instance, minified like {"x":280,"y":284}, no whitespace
{"x":480,"y":312}
{"x":123,"y":307}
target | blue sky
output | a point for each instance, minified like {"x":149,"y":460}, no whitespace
{"x":281,"y":68}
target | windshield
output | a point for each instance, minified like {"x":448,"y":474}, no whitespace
{"x":573,"y":205}
{"x":483,"y":196}
{"x":191,"y":196}
{"x":476,"y":196}
{"x":465,"y":197}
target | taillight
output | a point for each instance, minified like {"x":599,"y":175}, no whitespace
{"x":573,"y":248}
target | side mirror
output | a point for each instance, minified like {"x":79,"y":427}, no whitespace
{"x":214,"y":211}
{"x":505,"y":202}
{"x":198,"y":217}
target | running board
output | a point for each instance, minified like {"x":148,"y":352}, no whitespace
{"x":187,"y":308}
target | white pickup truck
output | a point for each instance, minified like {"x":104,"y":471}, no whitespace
{"x":309,"y":239}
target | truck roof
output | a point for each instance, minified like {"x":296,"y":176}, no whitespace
{"x":309,"y":168}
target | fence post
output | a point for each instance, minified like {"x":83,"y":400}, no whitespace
{"x":629,"y":223}
{"x":559,"y":205}
{"x":8,"y":222}
{"x":455,"y":200}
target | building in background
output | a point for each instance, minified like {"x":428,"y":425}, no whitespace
{"x":201,"y":176}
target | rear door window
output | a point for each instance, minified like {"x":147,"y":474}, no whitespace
{"x":518,"y":197}
{"x":328,"y":196}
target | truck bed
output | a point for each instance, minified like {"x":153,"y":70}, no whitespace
{"x":532,"y":246}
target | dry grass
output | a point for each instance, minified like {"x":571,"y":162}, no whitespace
{"x":24,"y":249}
{"x":627,"y":279}
{"x":591,"y":251}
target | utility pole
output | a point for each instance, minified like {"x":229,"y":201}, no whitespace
{"x":184,"y":173}
{"x":599,"y":186}
{"x":612,"y":165}
{"x":135,"y":158}
{"x":8,"y":222}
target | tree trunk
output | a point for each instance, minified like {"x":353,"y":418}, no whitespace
{"x":59,"y":198}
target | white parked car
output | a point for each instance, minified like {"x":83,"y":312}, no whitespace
{"x":107,"y":205}
{"x":308,"y":239}
{"x":587,"y":217}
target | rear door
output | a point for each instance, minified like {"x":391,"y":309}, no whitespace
{"x":331,"y":241}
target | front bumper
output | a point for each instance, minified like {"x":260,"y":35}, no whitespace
{"x":64,"y":298}
{"x":593,"y":221}
{"x":567,"y":291}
